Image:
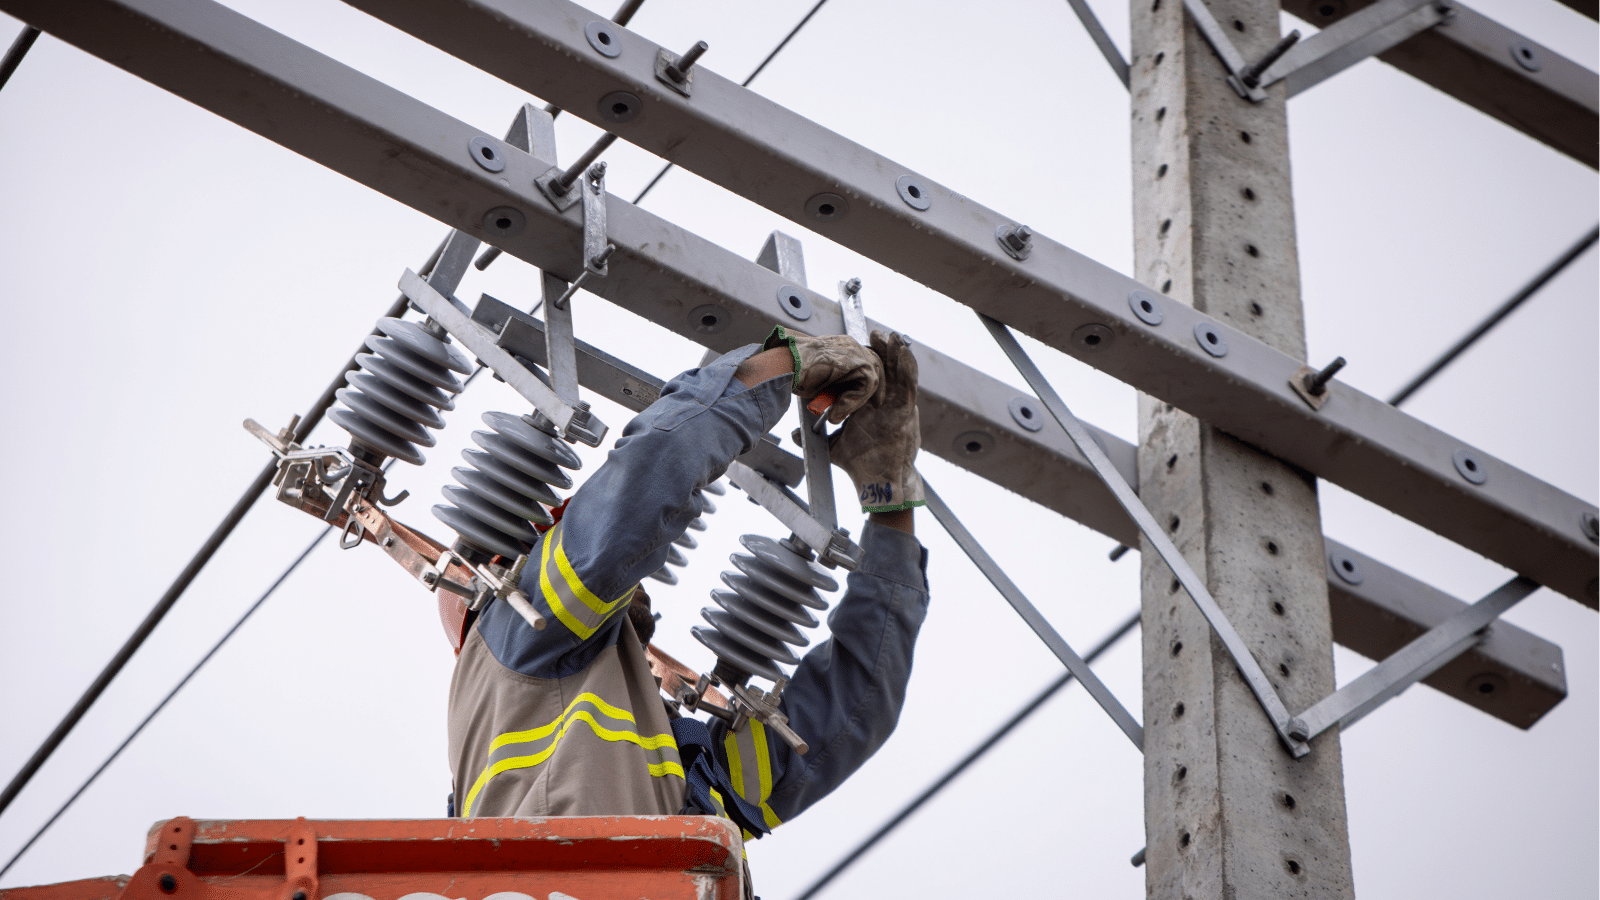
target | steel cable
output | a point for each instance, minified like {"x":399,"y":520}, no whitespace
{"x":966,"y":762}
{"x":187,"y":576}
{"x":1505,"y":309}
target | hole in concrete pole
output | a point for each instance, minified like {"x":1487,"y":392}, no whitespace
{"x":1161,"y":170}
{"x":1173,"y":589}
{"x":1181,"y":774}
{"x":1183,"y":839}
{"x":1166,"y":286}
{"x":1251,"y":249}
{"x":1165,"y":224}
{"x":1160,"y":57}
{"x":1161,"y":113}
{"x":1294,"y":867}
{"x":1288,"y":800}
{"x":1283,"y":669}
{"x":1266,"y":488}
{"x":1249,"y":194}
{"x":1272,"y":548}
{"x":1255,"y":309}
{"x":1238,"y":25}
{"x":1244,"y":136}
{"x":1172,"y":523}
{"x":1155,"y":6}
{"x":1177,"y":647}
{"x":1172,"y":460}
{"x":1177,"y":711}
{"x":1277,"y":607}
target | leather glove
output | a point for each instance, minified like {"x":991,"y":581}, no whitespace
{"x":834,"y":363}
{"x":878,"y":446}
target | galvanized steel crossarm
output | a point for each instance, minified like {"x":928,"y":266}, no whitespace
{"x":417,"y":155}
{"x":1352,"y":39}
{"x":1413,"y":662}
{"x":1034,"y":619}
{"x":1271,"y":703}
{"x":948,"y":242}
{"x":1494,"y":69}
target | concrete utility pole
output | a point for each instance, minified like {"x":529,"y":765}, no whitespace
{"x":1228,"y":812}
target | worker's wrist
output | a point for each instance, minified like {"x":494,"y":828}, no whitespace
{"x":764,"y":366}
{"x":899,"y":520}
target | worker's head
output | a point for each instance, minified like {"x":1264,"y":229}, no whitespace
{"x":644,"y":621}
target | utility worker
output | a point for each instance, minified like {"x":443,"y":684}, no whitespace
{"x":568,"y":721}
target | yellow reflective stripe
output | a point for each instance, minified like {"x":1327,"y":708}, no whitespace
{"x":752,"y":741}
{"x":601,"y":608}
{"x":764,"y":768}
{"x":521,"y":737}
{"x":574,"y":605}
{"x":551,"y":598}
{"x":566,"y":721}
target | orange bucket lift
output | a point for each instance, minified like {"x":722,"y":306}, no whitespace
{"x":578,"y":858}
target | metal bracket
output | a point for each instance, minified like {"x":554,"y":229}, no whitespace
{"x":561,"y":200}
{"x":1080,"y":437}
{"x":321,"y":480}
{"x":483,"y":344}
{"x":1369,"y":32}
{"x":1411,"y":663}
{"x":169,"y":872}
{"x":594,"y":220}
{"x":832,"y":545}
{"x":1229,"y":54}
{"x":762,"y":706}
{"x":561,"y":361}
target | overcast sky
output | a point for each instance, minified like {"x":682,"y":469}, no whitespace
{"x":170,"y":274}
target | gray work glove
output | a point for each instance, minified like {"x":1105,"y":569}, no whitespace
{"x":833,"y":364}
{"x":878,"y":446}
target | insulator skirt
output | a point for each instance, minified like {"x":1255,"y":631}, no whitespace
{"x":754,"y":628}
{"x":508,"y":485}
{"x":393,"y":397}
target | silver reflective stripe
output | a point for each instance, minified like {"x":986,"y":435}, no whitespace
{"x":572,"y":604}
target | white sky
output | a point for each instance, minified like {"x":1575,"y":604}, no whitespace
{"x":170,"y":274}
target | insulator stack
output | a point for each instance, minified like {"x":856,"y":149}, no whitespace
{"x":686,"y":540}
{"x":396,"y":392}
{"x":511,"y":481}
{"x":769,"y":603}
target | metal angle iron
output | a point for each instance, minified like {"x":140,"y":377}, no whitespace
{"x":1354,"y":440}
{"x":1271,"y":703}
{"x":366,"y":126}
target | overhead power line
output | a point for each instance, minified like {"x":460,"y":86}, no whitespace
{"x":745,"y":83}
{"x":1528,"y":290}
{"x":966,"y":762}
{"x":168,"y":698}
{"x":187,"y":576}
{"x":19,"y":49}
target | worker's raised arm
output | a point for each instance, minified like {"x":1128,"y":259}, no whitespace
{"x":618,"y":527}
{"x":845,"y":696}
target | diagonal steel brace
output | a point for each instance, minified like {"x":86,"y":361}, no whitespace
{"x":1080,"y":437}
{"x":1034,"y":619}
